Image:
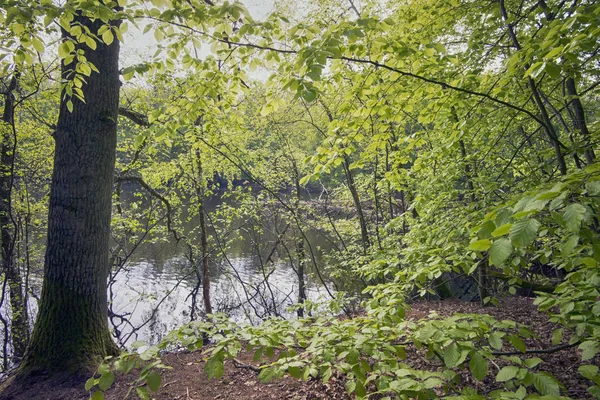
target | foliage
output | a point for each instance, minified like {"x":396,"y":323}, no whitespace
{"x":452,"y":138}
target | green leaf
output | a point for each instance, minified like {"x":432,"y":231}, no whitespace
{"x":360,"y":390}
{"x":589,"y":371}
{"x":478,"y":366}
{"x":98,"y":395}
{"x":589,"y":349}
{"x":137,"y":344}
{"x":64,"y":50}
{"x":107,"y":37}
{"x":569,"y":245}
{"x":350,"y":386}
{"x":90,"y":42}
{"x":295,"y":372}
{"x":451,"y":355}
{"x":594,"y":391}
{"x":554,"y":52}
{"x":535,"y":69}
{"x":90,"y":383}
{"x":517,"y":343}
{"x":500,"y":251}
{"x":214,"y":367}
{"x":142,"y":393}
{"x":153,"y":380}
{"x":533,"y":362}
{"x":545,"y":384}
{"x":486,"y":230}
{"x":573,"y":216}
{"x":557,"y":336}
{"x":309,"y":95}
{"x":507,"y":373}
{"x":480,"y":245}
{"x":523,"y":232}
{"x":502,"y":230}
{"x":352,"y":356}
{"x":103,"y":369}
{"x":37,"y":45}
{"x":552,"y":69}
{"x":267,"y":374}
{"x":495,"y":340}
{"x":327,"y":374}
{"x":593,"y":188}
{"x":106,"y":380}
{"x":257,"y":354}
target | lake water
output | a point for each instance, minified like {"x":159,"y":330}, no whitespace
{"x":150,"y":296}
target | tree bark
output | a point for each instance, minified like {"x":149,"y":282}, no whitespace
{"x":364,"y":233}
{"x":578,"y":116}
{"x":300,"y":253}
{"x":203,"y":237}
{"x":71,"y":331}
{"x":19,"y":319}
{"x":547,"y":123}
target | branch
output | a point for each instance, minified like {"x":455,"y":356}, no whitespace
{"x":537,"y":351}
{"x":154,"y":193}
{"x":353,"y":7}
{"x":445,"y":85}
{"x":240,"y":364}
{"x":134,"y":116}
{"x":363,"y":61}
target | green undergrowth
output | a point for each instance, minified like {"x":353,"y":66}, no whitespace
{"x":383,"y":354}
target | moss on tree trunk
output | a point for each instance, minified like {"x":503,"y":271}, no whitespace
{"x":71,"y":332}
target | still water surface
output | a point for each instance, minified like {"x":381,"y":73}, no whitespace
{"x":153,"y":291}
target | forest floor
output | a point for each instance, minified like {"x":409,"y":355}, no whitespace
{"x":187,"y":381}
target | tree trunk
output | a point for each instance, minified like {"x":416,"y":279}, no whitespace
{"x":300,"y":253}
{"x":578,"y":116}
{"x":389,"y":186}
{"x":19,"y":320}
{"x":364,"y":233}
{"x":71,"y":331}
{"x":203,"y":237}
{"x":537,"y":100}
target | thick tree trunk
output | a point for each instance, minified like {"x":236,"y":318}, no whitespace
{"x":19,"y":320}
{"x":71,"y":331}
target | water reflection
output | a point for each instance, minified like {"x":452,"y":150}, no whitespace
{"x":151,"y":295}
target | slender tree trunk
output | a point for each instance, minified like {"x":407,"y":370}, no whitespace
{"x":300,"y":253}
{"x":467,"y":168}
{"x":389,"y":187}
{"x":482,"y":281}
{"x":364,"y":233}
{"x":578,"y":116}
{"x":377,"y":203}
{"x":203,"y":237}
{"x":19,"y":319}
{"x":547,"y":124}
{"x":71,"y":331}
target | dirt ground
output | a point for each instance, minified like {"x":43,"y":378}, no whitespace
{"x":187,"y":381}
